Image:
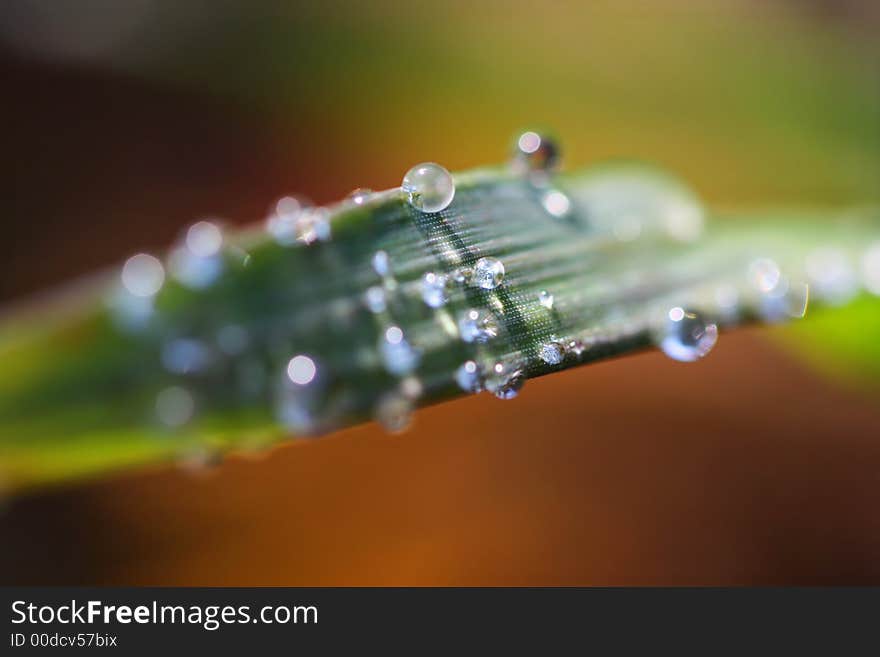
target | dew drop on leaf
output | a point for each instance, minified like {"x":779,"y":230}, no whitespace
{"x":428,"y":187}
{"x":687,"y":335}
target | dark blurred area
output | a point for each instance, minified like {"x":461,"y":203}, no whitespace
{"x":126,"y":121}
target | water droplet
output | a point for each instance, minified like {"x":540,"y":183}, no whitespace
{"x":556,"y":203}
{"x":536,"y":152}
{"x":204,"y":239}
{"x":194,"y":270}
{"x":871,"y":268}
{"x":545,"y":299}
{"x":360,"y":195}
{"x":143,"y":275}
{"x":786,"y":301}
{"x":764,"y":274}
{"x":381,"y":263}
{"x":833,"y":277}
{"x":313,"y":224}
{"x":283,"y":223}
{"x":577,"y":347}
{"x":687,"y":336}
{"x":394,"y":412}
{"x":301,"y":370}
{"x":469,"y":377}
{"x":292,"y":205}
{"x":398,"y":355}
{"x":374,"y":299}
{"x":488,"y":273}
{"x":175,"y":406}
{"x":434,"y":289}
{"x":477,"y":326}
{"x":552,"y":353}
{"x":505,"y":381}
{"x":428,"y":187}
{"x":185,"y":356}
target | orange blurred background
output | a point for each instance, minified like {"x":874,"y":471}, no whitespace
{"x":126,"y":121}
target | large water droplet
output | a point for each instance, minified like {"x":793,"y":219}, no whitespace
{"x":687,"y":336}
{"x":469,"y":377}
{"x":536,"y":152}
{"x":398,"y":355}
{"x":434,"y":289}
{"x":428,"y":187}
{"x":477,"y":326}
{"x":488,"y":273}
{"x":552,"y":353}
{"x":394,"y":412}
{"x":143,"y":275}
{"x":505,"y":381}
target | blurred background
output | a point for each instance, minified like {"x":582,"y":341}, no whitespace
{"x":125,"y":121}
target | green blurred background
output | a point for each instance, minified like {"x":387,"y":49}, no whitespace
{"x":127,"y":120}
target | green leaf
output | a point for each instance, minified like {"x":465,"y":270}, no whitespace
{"x":98,"y":378}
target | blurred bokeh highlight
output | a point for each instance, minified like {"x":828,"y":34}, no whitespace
{"x":125,"y":121}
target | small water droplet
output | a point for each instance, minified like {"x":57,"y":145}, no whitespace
{"x":175,"y":406}
{"x":545,"y":299}
{"x":143,"y":275}
{"x":398,"y":355}
{"x":301,"y":370}
{"x":552,"y":353}
{"x":469,"y":377}
{"x":204,"y":239}
{"x":374,"y":299}
{"x":381,"y":263}
{"x":394,"y":412}
{"x":313,"y":224}
{"x":505,"y":381}
{"x":477,"y":326}
{"x":488,"y":273}
{"x":536,"y":152}
{"x":556,"y":203}
{"x":292,"y":205}
{"x":786,"y":301}
{"x":198,"y":262}
{"x":360,"y":195}
{"x":577,"y":347}
{"x":764,"y":274}
{"x":687,"y":336}
{"x":434,"y":288}
{"x":428,"y":187}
